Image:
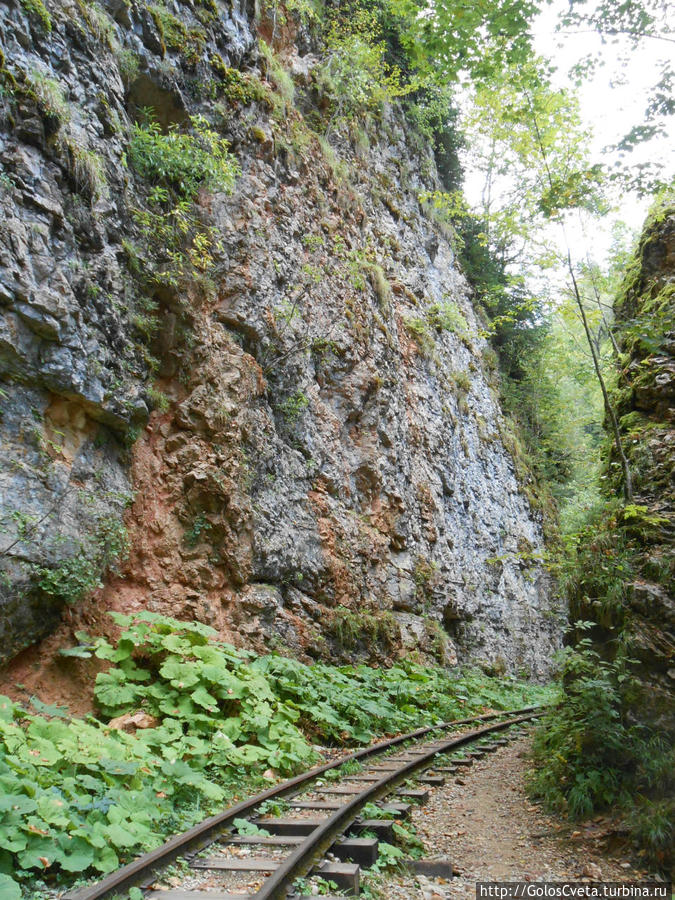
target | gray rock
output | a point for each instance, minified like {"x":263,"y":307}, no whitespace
{"x":317,"y":452}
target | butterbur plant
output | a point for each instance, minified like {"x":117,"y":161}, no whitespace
{"x":78,"y":796}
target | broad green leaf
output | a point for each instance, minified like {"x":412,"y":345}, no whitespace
{"x":203,"y":698}
{"x":40,"y":853}
{"x":118,"y":767}
{"x":46,"y":709}
{"x":12,"y":839}
{"x":6,"y":709}
{"x":18,"y":804}
{"x":53,"y":810}
{"x":111,"y":690}
{"x":180,"y":674}
{"x":75,"y":854}
{"x":9,"y":889}
{"x":106,"y":860}
{"x":120,"y":836}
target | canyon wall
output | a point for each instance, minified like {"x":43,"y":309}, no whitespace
{"x":282,"y":389}
{"x":640,"y":621}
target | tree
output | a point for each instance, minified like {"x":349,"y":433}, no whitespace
{"x":475,"y":37}
{"x":553,"y":210}
{"x":529,"y":145}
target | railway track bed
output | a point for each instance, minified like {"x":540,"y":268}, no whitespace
{"x":325,"y":826}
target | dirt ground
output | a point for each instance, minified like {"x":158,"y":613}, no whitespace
{"x":486,"y":825}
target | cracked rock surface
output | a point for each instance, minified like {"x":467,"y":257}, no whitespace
{"x":324,"y":442}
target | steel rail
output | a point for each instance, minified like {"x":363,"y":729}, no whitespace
{"x":299,"y":863}
{"x":131,"y":874}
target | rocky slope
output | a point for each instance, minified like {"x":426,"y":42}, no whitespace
{"x":646,"y":400}
{"x":282,"y":389}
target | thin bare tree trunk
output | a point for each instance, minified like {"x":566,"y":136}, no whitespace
{"x":627,"y":478}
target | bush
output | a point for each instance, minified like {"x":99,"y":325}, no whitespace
{"x":432,"y":111}
{"x":354,"y":72}
{"x":184,"y":162}
{"x":50,"y":98}
{"x":447,"y":316}
{"x":87,"y":170}
{"x":373,"y":631}
{"x":591,"y":756}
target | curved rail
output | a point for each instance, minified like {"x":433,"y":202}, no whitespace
{"x":197,"y":836}
{"x":302,"y":859}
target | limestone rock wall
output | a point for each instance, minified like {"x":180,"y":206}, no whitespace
{"x":646,"y":400}
{"x":301,"y":429}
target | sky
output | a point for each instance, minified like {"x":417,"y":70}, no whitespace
{"x":612,"y":101}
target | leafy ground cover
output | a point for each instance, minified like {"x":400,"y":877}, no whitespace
{"x":79,"y":798}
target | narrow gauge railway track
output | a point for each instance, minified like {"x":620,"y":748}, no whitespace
{"x":307,"y":838}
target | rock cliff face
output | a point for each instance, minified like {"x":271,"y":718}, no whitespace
{"x":646,"y":396}
{"x":282,"y":389}
{"x":636,"y":541}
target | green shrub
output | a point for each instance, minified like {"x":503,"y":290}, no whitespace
{"x":381,"y":286}
{"x":200,"y":526}
{"x":293,"y":407}
{"x":278,"y":74}
{"x":184,"y":162}
{"x":592,"y":756}
{"x":354,"y":73}
{"x":99,"y":22}
{"x":433,"y":112}
{"x":447,"y":316}
{"x":240,"y":88}
{"x":363,"y":629}
{"x":87,"y":169}
{"x":175,"y":35}
{"x":585,"y":744}
{"x":418,"y":328}
{"x":128,"y":64}
{"x":158,"y":399}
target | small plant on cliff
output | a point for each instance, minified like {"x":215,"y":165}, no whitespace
{"x":447,"y":316}
{"x":176,"y":36}
{"x":99,"y":23}
{"x":184,"y":162}
{"x":50,"y":98}
{"x":279,"y":77}
{"x":70,"y":580}
{"x":238,"y":88}
{"x":128,"y":65}
{"x":200,"y":527}
{"x":355,"y":74}
{"x":39,"y":12}
{"x":293,"y":407}
{"x":364,"y":629}
{"x":418,"y":328}
{"x":86,"y":168}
